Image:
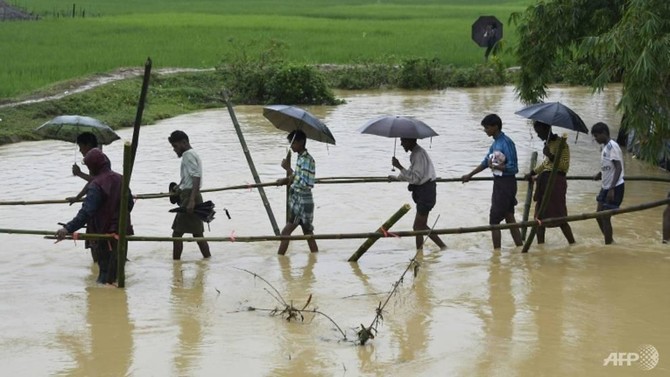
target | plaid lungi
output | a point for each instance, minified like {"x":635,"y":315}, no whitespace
{"x":301,"y":207}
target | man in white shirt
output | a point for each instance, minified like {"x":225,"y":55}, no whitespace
{"x":189,"y":195}
{"x":421,"y":177}
{"x":611,"y":173}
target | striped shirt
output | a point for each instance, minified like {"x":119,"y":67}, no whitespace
{"x":304,"y":174}
{"x":563,"y":163}
{"x":505,"y":145}
{"x":190,"y":167}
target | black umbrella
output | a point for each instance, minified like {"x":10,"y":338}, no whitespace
{"x":554,"y":114}
{"x":486,"y":28}
{"x":291,"y":118}
{"x":398,"y":126}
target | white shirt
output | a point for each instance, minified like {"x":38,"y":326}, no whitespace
{"x":421,"y":169}
{"x":190,"y":167}
{"x":610,"y":152}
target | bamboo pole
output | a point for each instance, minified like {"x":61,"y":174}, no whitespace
{"x":250,"y":161}
{"x":380,"y":232}
{"x":138,"y":114}
{"x":462,"y":230}
{"x":124,"y":216}
{"x":547,"y":193}
{"x":327,"y":180}
{"x":529,"y":194}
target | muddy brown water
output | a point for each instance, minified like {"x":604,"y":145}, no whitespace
{"x":558,"y":310}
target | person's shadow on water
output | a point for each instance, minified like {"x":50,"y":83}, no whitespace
{"x":297,"y":358}
{"x":111,"y":341}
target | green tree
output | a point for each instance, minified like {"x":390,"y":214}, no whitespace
{"x":621,"y":40}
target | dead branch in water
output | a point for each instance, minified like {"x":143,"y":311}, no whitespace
{"x":288,"y":312}
{"x":367,"y":333}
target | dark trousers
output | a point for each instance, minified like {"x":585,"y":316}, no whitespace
{"x":107,"y":251}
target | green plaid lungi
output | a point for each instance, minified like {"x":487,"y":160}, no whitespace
{"x":301,"y":207}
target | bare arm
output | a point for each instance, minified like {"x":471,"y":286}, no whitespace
{"x":474,"y":171}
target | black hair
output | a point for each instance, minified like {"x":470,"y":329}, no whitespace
{"x":492,"y":120}
{"x":296,"y":135}
{"x":87,"y":138}
{"x":537,"y":123}
{"x":177,"y":136}
{"x":600,"y":128}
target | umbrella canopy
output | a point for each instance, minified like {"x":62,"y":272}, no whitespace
{"x":482,"y":30}
{"x":398,"y":126}
{"x":291,"y":118}
{"x":68,"y":127}
{"x":554,"y":114}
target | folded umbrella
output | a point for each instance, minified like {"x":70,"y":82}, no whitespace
{"x":205,"y":211}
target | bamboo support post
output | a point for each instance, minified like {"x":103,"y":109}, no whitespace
{"x":529,"y":195}
{"x":380,"y":232}
{"x":547,"y":193}
{"x":250,"y":161}
{"x":124,"y":215}
{"x":138,"y":114}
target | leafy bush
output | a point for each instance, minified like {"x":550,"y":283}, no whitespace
{"x":262,"y":77}
{"x":421,"y":74}
{"x":362,"y":76}
{"x":292,"y":84}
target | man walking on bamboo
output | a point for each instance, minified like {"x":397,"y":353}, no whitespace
{"x":421,"y":177}
{"x":502,"y":160}
{"x":189,"y":195}
{"x":300,"y":201}
{"x":556,"y":205}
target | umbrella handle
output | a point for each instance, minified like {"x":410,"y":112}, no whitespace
{"x":395,"y":141}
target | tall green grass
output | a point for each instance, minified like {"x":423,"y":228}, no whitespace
{"x":122,"y":33}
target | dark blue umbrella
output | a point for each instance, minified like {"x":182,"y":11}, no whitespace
{"x":398,"y":126}
{"x":554,"y":114}
{"x":291,"y":118}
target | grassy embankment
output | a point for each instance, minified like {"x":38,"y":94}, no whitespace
{"x":40,"y":56}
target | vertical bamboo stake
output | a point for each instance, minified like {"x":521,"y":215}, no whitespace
{"x":122,"y":248}
{"x":547,"y":193}
{"x":140,"y":111}
{"x":250,"y":161}
{"x":529,"y":195}
{"x":384,"y":228}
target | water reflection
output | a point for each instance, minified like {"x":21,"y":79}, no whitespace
{"x":187,"y":299}
{"x":110,"y":331}
{"x":497,"y":317}
{"x":298,"y":359}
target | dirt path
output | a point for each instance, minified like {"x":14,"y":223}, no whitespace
{"x":78,"y":86}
